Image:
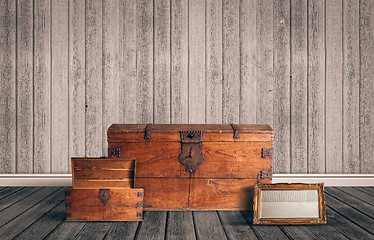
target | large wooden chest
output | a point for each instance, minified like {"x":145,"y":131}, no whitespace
{"x":195,"y":166}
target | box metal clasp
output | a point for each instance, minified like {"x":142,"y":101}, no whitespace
{"x":191,"y":154}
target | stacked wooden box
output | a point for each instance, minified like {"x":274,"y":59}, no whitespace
{"x":103,"y":191}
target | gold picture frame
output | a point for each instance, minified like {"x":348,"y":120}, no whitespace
{"x":289,"y":204}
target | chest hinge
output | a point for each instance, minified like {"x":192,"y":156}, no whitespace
{"x":266,"y":153}
{"x":191,"y":154}
{"x":114,"y":152}
{"x":236,"y":131}
{"x":147,"y":132}
{"x":263,"y":174}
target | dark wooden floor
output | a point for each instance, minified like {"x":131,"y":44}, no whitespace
{"x":38,"y":213}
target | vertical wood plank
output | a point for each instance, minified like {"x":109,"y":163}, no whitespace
{"x":281,"y":124}
{"x":162,"y":61}
{"x":8,"y":96}
{"x":42,"y":86}
{"x":196,"y":68}
{"x":144,"y":41}
{"x":60,"y":87}
{"x":264,"y":73}
{"x":248,"y":46}
{"x":179,"y":61}
{"x":94,"y":74}
{"x":316,"y":87}
{"x":127,"y":65}
{"x":366,"y":86}
{"x":214,"y":61}
{"x":230,"y":62}
{"x":298,"y":86}
{"x":25,"y":86}
{"x":351,"y":85}
{"x":111,"y":44}
{"x":77,"y":105}
{"x":334,"y":76}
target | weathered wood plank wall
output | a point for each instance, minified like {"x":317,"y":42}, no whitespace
{"x":70,"y":68}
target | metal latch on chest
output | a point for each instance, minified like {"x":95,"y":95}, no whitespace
{"x":191,"y":154}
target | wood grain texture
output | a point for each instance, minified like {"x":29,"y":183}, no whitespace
{"x":16,"y":195}
{"x":366,"y":86}
{"x":122,"y":205}
{"x":67,"y":230}
{"x":351,"y":213}
{"x":281,"y":121}
{"x":60,"y":87}
{"x":153,"y":226}
{"x":214,"y":61}
{"x":77,"y":79}
{"x":8,"y":86}
{"x":208,"y":225}
{"x":343,"y":226}
{"x":42,"y":203}
{"x":180,"y":224}
{"x":25,"y":85}
{"x":197,"y":60}
{"x":94,"y":74}
{"x":248,"y":61}
{"x":42,"y":87}
{"x":235,"y":225}
{"x":334,"y":76}
{"x":44,"y":225}
{"x":264,"y":72}
{"x":127,"y":61}
{"x":179,"y":61}
{"x":111,"y":40}
{"x":121,"y":230}
{"x":351,"y":87}
{"x":144,"y":55}
{"x":316,"y":87}
{"x":298,"y":90}
{"x":230,"y":62}
{"x":162,"y":61}
{"x":94,"y":230}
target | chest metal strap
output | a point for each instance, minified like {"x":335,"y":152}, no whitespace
{"x":236,"y":131}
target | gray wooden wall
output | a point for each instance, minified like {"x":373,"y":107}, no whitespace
{"x":68,"y":69}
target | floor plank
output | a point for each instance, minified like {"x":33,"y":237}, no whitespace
{"x":208,"y":225}
{"x":122,"y":230}
{"x":363,"y":196}
{"x":153,"y":226}
{"x":352,"y":201}
{"x":350,"y":213}
{"x":180,"y":224}
{"x":368,"y":190}
{"x":298,"y":232}
{"x":44,"y":225}
{"x":16,"y":196}
{"x":9,"y":190}
{"x":18,"y":224}
{"x":94,"y":230}
{"x":67,"y":230}
{"x":343,"y":225}
{"x":235,"y":225}
{"x":25,"y":204}
{"x":264,"y":232}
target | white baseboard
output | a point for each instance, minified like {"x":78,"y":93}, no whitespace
{"x":65,"y":179}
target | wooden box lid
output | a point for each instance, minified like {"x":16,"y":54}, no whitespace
{"x":172,"y":132}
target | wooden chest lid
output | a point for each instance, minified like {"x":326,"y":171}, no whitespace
{"x":172,"y":132}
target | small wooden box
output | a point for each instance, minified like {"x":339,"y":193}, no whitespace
{"x":93,"y":173}
{"x":118,"y":204}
